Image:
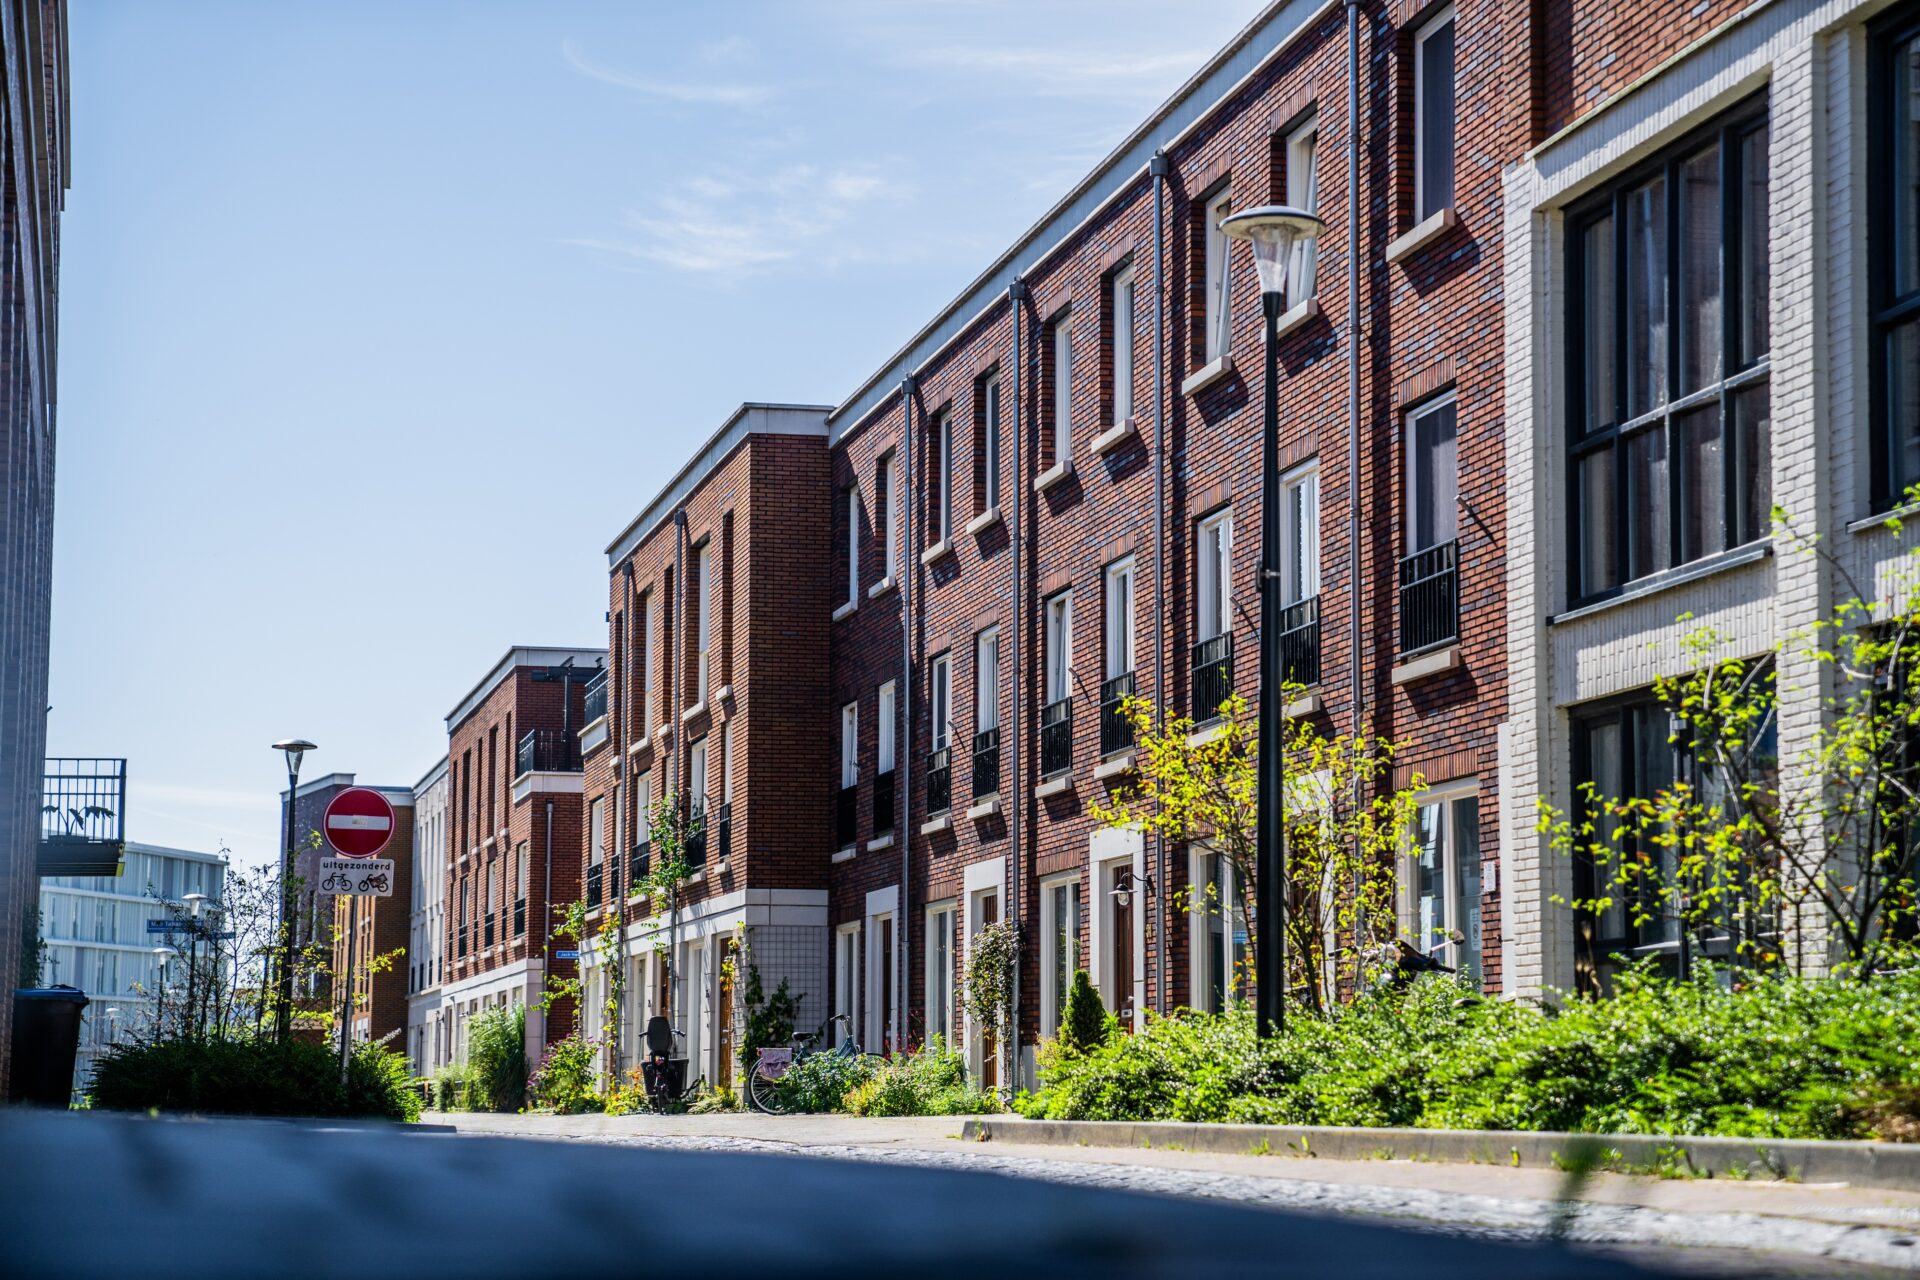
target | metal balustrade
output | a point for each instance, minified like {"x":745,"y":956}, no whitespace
{"x":1430,"y":598}
{"x":846,"y":816}
{"x":883,"y":800}
{"x":1300,"y":642}
{"x":1212,"y":676}
{"x":596,"y":698}
{"x":940,"y":780}
{"x":1056,"y":737}
{"x":1116,"y":731}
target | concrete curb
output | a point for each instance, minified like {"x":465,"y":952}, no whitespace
{"x":1861,"y":1164}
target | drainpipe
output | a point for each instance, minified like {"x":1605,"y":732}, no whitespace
{"x":1354,"y":586}
{"x":903,"y":801}
{"x":622,"y":729}
{"x":1017,"y":295}
{"x":673,"y":728}
{"x":546,"y":940}
{"x":1160,"y":167}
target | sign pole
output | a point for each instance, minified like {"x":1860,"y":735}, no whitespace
{"x":346,"y":1000}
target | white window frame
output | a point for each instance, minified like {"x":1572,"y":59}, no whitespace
{"x":1303,"y":193}
{"x":652,"y":660}
{"x":1300,"y":533}
{"x":846,"y":976}
{"x":1444,"y":798}
{"x":642,"y":801}
{"x":1052,"y":998}
{"x":1120,"y":654}
{"x":1063,"y":389}
{"x":890,"y":512}
{"x":1213,"y":600}
{"x":874,"y":1028}
{"x":1427,"y":31}
{"x":943,"y":475}
{"x":703,"y":619}
{"x":940,"y":700}
{"x":697,"y":777}
{"x":1219,"y":294}
{"x":850,"y":745}
{"x":885,"y":753}
{"x":1123,"y":344}
{"x":990,"y":444}
{"x":986,"y":680}
{"x":1200,"y":912}
{"x":941,"y":919}
{"x":596,"y":831}
{"x":853,"y":545}
{"x":1059,"y":646}
{"x":1412,"y":477}
{"x":726,"y":762}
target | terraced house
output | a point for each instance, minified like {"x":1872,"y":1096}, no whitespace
{"x":1599,"y":284}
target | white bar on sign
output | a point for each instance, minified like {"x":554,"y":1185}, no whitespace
{"x":358,"y":822}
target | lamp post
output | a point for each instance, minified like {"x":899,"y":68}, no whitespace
{"x":1273,"y":230}
{"x":194,"y":902}
{"x":293,"y":749}
{"x":161,"y":954}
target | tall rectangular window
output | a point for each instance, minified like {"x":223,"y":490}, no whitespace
{"x":1119,"y":620}
{"x":1433,"y":116}
{"x":940,"y":927}
{"x":697,"y":777}
{"x":647,"y":664}
{"x":1061,"y":903}
{"x":1445,"y":884}
{"x":853,"y":544}
{"x":1300,"y":534}
{"x":1214,"y":598}
{"x":1432,"y":480}
{"x":850,"y":745}
{"x":703,"y":619}
{"x":886,"y":746}
{"x":1893,"y":237}
{"x":1303,"y":192}
{"x":889,"y":479}
{"x":1219,"y":294}
{"x":1059,"y":651}
{"x":846,"y":977}
{"x":941,"y":499}
{"x":1668,"y":410}
{"x":940,"y":701}
{"x":596,"y":847}
{"x":1122,"y":301}
{"x":986,"y":680}
{"x":990,"y":446}
{"x":1062,"y":389}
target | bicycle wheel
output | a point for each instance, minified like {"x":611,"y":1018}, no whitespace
{"x":766,"y":1096}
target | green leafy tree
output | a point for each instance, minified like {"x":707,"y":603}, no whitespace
{"x":769,"y":1019}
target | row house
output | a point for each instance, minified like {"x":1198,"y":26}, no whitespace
{"x":429,"y":1024}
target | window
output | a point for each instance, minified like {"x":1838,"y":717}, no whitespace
{"x":703,"y":619}
{"x":853,"y":548}
{"x":886,"y":728}
{"x":1062,"y":390}
{"x":1303,"y":192}
{"x":850,"y":745}
{"x":1433,"y":116}
{"x":1432,"y":482}
{"x":596,"y":847}
{"x":726,"y":763}
{"x":1060,"y":901}
{"x":697,"y":777}
{"x":524,"y":862}
{"x":989,"y":453}
{"x":648,"y":638}
{"x":1059,"y":673}
{"x":1122,"y":302}
{"x":940,"y":925}
{"x":1219,"y":931}
{"x":1119,"y":619}
{"x":889,"y":480}
{"x":846,"y":975}
{"x":885,"y":976}
{"x":940,"y":701}
{"x":941,"y":475}
{"x":986,"y":680}
{"x":1668,"y":355}
{"x":1300,"y":534}
{"x":1893,"y":134}
{"x":1219,"y":282}
{"x":1444,"y":888}
{"x":1214,"y":598}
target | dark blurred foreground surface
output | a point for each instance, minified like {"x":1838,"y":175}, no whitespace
{"x":89,"y":1194}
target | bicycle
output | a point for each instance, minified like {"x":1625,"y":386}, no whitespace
{"x":664,"y":1075}
{"x":336,"y":883}
{"x":772,"y":1064}
{"x":376,"y":882}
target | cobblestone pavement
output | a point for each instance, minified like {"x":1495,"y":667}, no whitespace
{"x":1846,"y":1238}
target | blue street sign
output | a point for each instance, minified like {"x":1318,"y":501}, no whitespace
{"x":169,"y":926}
{"x":566,"y":955}
{"x":229,"y":933}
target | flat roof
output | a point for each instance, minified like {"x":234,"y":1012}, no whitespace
{"x":521,"y":655}
{"x":432,"y":775}
{"x":168,"y":851}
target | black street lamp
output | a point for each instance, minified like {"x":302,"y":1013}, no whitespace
{"x":293,"y":749}
{"x":1274,"y":230}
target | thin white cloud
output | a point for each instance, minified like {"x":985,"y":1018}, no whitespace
{"x":1061,"y":66}
{"x":728,"y":95}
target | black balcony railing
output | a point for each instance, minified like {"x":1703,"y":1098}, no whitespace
{"x":613,"y":875}
{"x":463,"y":941}
{"x":487,"y":933}
{"x":723,"y":829}
{"x":986,"y":762}
{"x":595,"y":875}
{"x":846,"y":816}
{"x":642,"y":860}
{"x":696,"y":851}
{"x":1056,"y":737}
{"x":1116,"y":731}
{"x":596,"y":698}
{"x":519,"y":917}
{"x":548,"y":751}
{"x":83,"y":808}
{"x":883,"y":797}
{"x":1212,"y":676}
{"x":940,"y":780}
{"x":1430,"y":598}
{"x":1300,"y":642}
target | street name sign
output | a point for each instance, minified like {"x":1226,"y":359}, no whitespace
{"x":566,"y":955}
{"x":358,"y":823}
{"x":169,"y":926}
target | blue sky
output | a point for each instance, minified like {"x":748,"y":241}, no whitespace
{"x":380,"y":320}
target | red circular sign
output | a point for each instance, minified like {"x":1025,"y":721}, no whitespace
{"x":359,"y":823}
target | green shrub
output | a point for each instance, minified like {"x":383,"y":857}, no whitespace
{"x":454,"y":1087}
{"x":256,"y":1077}
{"x":497,"y":1057}
{"x":1780,"y":1058}
{"x":564,"y":1078}
{"x":822,"y":1082}
{"x":931,"y":1082}
{"x":769,"y":1019}
{"x":1083,"y":1019}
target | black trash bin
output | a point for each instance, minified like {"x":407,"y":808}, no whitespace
{"x":46,"y":1037}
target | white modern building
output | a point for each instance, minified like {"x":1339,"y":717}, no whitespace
{"x":429,"y":1021}
{"x":95,"y":929}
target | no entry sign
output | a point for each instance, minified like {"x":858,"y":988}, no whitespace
{"x":359,"y":823}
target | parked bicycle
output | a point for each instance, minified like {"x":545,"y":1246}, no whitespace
{"x":663,"y":1074}
{"x":763,"y":1084}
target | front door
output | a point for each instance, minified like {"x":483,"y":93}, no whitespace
{"x":1120,"y":945}
{"x":723,"y":1022}
{"x":989,"y":1047}
{"x":697,"y":1010}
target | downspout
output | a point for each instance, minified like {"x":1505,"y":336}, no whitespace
{"x":1354,"y":561}
{"x":904,"y":799}
{"x":673,"y":728}
{"x":546,"y":941}
{"x":1017,"y":295}
{"x":1160,"y":166}
{"x":622,"y":839}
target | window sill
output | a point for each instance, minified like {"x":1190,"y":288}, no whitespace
{"x":663,"y":732}
{"x":1113,"y":437}
{"x":1436,"y":225}
{"x":723,"y":694}
{"x":1653,"y":586}
{"x":880,"y":842}
{"x":1205,"y":376}
{"x":639,"y":746}
{"x":880,"y":588}
{"x":1435,"y":662}
{"x":1305,"y":705}
{"x":845,"y":610}
{"x":1295,"y":316}
{"x":594,"y":736}
{"x":935,"y":825}
{"x":1201,"y":737}
{"x":1895,"y":515}
{"x":985,"y":807}
{"x":845,"y":855}
{"x":1056,"y":785}
{"x":984,"y":521}
{"x":938,"y":551}
{"x":1113,"y":766}
{"x":1052,"y":476}
{"x":697,"y":709}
